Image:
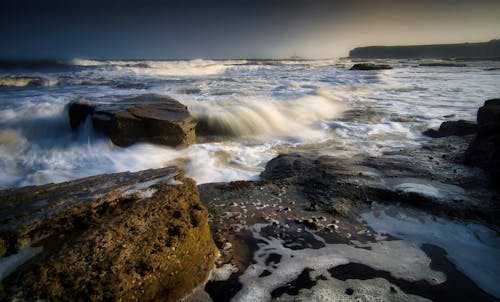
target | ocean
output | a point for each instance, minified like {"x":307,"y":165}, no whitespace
{"x":262,"y":107}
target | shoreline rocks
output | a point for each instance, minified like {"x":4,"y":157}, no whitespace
{"x":484,"y":150}
{"x":304,"y":196}
{"x":370,"y":66}
{"x":138,"y":236}
{"x":449,"y":128}
{"x":148,"y":118}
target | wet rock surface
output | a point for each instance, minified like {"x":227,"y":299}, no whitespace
{"x":459,"y":128}
{"x":484,"y":150}
{"x":307,"y":204}
{"x":430,"y":178}
{"x":370,"y":66}
{"x":138,"y":236}
{"x":149,"y":118}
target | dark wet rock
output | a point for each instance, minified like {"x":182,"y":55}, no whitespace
{"x":370,"y":66}
{"x":457,"y":287}
{"x":189,"y":91}
{"x":484,"y":150}
{"x":140,"y":236}
{"x":292,"y":288}
{"x":442,"y":64}
{"x":148,"y":118}
{"x":21,"y":81}
{"x":340,"y":185}
{"x":131,"y":86}
{"x":449,"y":128}
{"x":138,"y":65}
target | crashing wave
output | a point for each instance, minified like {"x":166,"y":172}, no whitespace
{"x":258,"y":116}
{"x":22,"y":81}
{"x":166,"y":68}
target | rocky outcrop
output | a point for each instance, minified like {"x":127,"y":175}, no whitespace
{"x":486,"y":50}
{"x":140,"y":236}
{"x":148,"y":118}
{"x":484,"y":150}
{"x":370,"y":66}
{"x":459,"y":128}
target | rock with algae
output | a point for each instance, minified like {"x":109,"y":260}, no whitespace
{"x":138,"y":236}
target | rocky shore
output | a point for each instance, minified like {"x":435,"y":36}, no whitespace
{"x":155,"y":235}
{"x":308,"y":202}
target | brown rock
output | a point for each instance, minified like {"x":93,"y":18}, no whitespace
{"x":149,"y":118}
{"x":122,"y":237}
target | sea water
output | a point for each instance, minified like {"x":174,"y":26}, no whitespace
{"x":262,"y":106}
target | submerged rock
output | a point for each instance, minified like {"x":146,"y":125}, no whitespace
{"x":148,"y":118}
{"x":370,"y":66}
{"x":459,"y":128}
{"x":138,"y":236}
{"x":484,"y":150}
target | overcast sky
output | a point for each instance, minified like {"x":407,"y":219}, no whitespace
{"x":154,"y":29}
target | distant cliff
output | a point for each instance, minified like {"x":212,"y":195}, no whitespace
{"x":485,"y":50}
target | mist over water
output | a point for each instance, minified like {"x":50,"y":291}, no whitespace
{"x":253,"y":108}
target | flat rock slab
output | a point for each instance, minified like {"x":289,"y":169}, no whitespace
{"x":140,"y":236}
{"x":430,"y":178}
{"x":150,"y":118}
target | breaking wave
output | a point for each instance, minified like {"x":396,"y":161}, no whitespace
{"x":23,"y":81}
{"x":166,"y":68}
{"x":257,"y":116}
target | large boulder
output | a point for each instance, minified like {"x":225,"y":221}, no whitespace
{"x":449,"y":128}
{"x":370,"y":66}
{"x":148,"y":118}
{"x":484,"y":150}
{"x":140,"y":236}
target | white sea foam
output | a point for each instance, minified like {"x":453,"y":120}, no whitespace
{"x":249,"y":116}
{"x":412,"y":263}
{"x":197,"y":67}
{"x":371,"y":290}
{"x":473,"y":248}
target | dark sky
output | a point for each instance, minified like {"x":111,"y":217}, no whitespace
{"x":154,"y":29}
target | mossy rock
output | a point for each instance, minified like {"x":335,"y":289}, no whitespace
{"x":130,"y":236}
